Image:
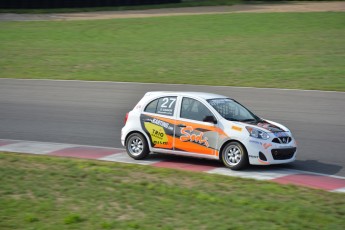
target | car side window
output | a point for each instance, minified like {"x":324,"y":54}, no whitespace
{"x":152,"y":106}
{"x":194,"y":109}
{"x":163,"y":105}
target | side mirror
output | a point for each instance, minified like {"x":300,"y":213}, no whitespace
{"x":210,"y":119}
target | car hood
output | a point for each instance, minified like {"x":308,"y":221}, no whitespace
{"x":266,"y":125}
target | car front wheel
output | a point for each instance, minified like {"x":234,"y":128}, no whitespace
{"x":234,"y":156}
{"x":136,"y":146}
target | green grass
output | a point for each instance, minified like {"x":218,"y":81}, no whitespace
{"x":41,"y":192}
{"x":284,"y":50}
{"x":184,"y":3}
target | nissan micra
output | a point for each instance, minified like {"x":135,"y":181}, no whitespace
{"x":205,"y":125}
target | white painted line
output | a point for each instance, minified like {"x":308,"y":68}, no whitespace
{"x":315,"y":173}
{"x":124,"y":158}
{"x":73,"y":145}
{"x":342,"y":190}
{"x":34,"y":147}
{"x":258,"y":175}
{"x":148,"y":83}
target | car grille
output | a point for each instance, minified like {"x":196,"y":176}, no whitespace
{"x":282,"y":140}
{"x":283,"y":154}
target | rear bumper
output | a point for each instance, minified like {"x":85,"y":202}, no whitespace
{"x":123,"y":137}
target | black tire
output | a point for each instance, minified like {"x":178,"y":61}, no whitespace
{"x":136,"y":146}
{"x":234,"y":156}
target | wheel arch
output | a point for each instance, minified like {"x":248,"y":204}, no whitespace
{"x":228,"y":141}
{"x":142,"y":133}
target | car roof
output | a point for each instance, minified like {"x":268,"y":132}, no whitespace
{"x":181,"y":93}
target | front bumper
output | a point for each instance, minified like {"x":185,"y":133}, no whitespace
{"x":265,"y":152}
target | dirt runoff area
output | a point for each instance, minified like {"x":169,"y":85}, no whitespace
{"x":245,"y":8}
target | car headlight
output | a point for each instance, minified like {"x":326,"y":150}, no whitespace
{"x":257,"y":133}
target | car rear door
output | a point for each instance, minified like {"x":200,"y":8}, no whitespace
{"x":158,"y":122}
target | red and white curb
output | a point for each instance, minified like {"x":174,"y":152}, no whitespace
{"x":280,"y":175}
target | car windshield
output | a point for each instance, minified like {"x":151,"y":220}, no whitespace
{"x":232,"y":110}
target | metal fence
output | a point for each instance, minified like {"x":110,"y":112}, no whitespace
{"x":44,"y":4}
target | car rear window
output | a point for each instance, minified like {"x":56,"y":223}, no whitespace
{"x":163,"y":106}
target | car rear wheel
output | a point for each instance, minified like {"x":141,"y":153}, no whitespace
{"x":136,"y":146}
{"x":234,"y":156}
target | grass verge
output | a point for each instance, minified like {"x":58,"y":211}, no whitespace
{"x":41,"y":192}
{"x":283,"y":50}
{"x":184,"y":3}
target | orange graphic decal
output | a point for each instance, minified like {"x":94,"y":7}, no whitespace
{"x":236,"y":128}
{"x":266,"y":145}
{"x":187,"y":136}
{"x":263,"y":162}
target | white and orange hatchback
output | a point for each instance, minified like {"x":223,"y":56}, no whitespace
{"x":205,"y":125}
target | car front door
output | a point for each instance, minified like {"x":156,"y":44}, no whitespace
{"x":193,"y":134}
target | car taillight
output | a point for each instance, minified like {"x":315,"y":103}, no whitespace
{"x":126,"y":118}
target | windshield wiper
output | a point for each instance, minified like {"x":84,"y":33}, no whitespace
{"x":250,"y":121}
{"x":231,"y":119}
{"x":246,"y":120}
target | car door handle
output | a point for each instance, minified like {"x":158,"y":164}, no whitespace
{"x":181,"y":125}
{"x":147,"y":120}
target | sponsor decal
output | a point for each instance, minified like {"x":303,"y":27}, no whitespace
{"x":285,"y":147}
{"x":266,"y":145}
{"x":263,"y":162}
{"x":188,"y":135}
{"x":280,"y":134}
{"x":218,"y":101}
{"x":255,"y":142}
{"x":269,"y":127}
{"x":236,"y":128}
{"x":162,"y":123}
{"x":251,"y":156}
{"x":159,"y":130}
{"x":264,"y":125}
{"x":157,"y":134}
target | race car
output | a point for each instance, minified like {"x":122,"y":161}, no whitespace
{"x":205,"y":125}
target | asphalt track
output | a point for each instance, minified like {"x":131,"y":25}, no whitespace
{"x":92,"y":113}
